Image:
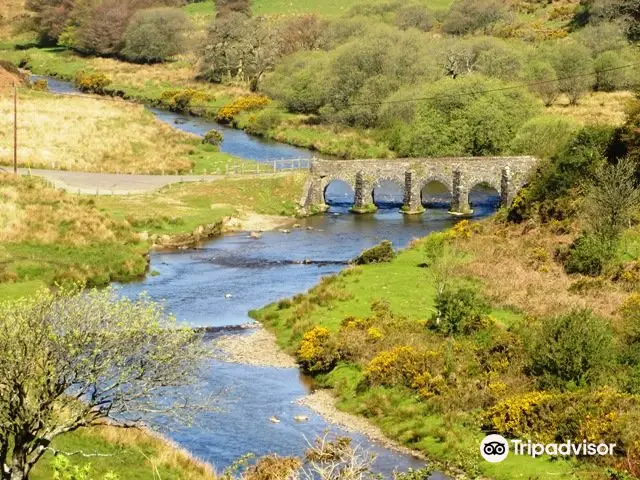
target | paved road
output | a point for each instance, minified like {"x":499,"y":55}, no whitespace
{"x":114,"y":183}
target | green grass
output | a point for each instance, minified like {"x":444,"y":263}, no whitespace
{"x":183,"y":207}
{"x":14,"y":291}
{"x":135,"y":457}
{"x":328,"y":8}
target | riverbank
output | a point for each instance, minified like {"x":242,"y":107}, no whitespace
{"x":362,"y":333}
{"x":130,"y":453}
{"x":48,"y":236}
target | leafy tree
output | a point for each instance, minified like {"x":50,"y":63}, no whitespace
{"x":574,"y":69}
{"x":466,"y":16}
{"x":71,"y":359}
{"x":544,"y":136}
{"x":466,"y":116}
{"x":573,"y":349}
{"x":607,"y":78}
{"x":413,"y":16}
{"x":155,"y":34}
{"x":541,"y":75}
{"x":302,"y":32}
{"x":50,"y":17}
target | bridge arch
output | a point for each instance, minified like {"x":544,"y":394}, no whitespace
{"x":435,"y":190}
{"x":338,"y":192}
{"x":388,"y":190}
{"x":484,"y":196}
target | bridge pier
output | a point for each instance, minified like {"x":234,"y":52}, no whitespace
{"x":363,"y":202}
{"x":507,"y":189}
{"x":412,"y":204}
{"x":460,"y":201}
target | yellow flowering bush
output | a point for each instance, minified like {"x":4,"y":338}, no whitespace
{"x":461,"y":230}
{"x":516,"y":416}
{"x":92,"y":82}
{"x":404,"y":365}
{"x":317,"y":352}
{"x":241,"y":104}
{"x":179,"y":100}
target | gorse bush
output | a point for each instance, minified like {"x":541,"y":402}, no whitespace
{"x":317,"y":352}
{"x":380,"y":253}
{"x":589,"y":255}
{"x":213,"y":137}
{"x":570,"y":350}
{"x":89,"y":82}
{"x":241,"y":104}
{"x":460,"y":311}
{"x":181,"y":100}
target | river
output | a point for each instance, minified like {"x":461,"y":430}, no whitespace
{"x":215,"y":284}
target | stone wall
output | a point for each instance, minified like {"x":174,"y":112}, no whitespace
{"x":459,"y":175}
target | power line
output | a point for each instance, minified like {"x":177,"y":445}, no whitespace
{"x":392,"y":102}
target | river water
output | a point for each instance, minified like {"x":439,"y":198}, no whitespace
{"x":215,"y":284}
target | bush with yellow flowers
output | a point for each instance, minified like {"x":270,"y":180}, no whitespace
{"x":241,"y":104}
{"x":317,"y":352}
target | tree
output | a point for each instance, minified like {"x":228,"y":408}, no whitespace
{"x":72,"y":359}
{"x":240,"y":48}
{"x":413,"y":16}
{"x":574,"y":69}
{"x":50,"y":17}
{"x":541,"y":76}
{"x":467,"y":16}
{"x":103,"y":31}
{"x":155,"y":34}
{"x":607,"y":78}
{"x":612,"y":198}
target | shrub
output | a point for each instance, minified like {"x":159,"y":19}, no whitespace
{"x":41,"y":85}
{"x":588,"y":255}
{"x":571,"y":350}
{"x":213,"y":137}
{"x":155,"y":34}
{"x":608,"y":79}
{"x":89,"y":82}
{"x":544,"y":136}
{"x":380,"y":253}
{"x":396,"y":367}
{"x":181,"y":100}
{"x":102,"y":31}
{"x":573,"y":65}
{"x":538,"y":72}
{"x":241,"y":104}
{"x":263,"y":122}
{"x":459,"y":311}
{"x":466,"y":16}
{"x":317,"y":352}
{"x":413,"y":16}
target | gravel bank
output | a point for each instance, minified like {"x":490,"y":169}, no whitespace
{"x":258,"y":348}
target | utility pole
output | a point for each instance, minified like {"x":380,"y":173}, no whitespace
{"x":15,"y":128}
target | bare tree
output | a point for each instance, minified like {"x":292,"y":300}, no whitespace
{"x":73,"y":359}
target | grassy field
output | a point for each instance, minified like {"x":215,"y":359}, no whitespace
{"x":129,"y":453}
{"x":595,"y":108}
{"x":47,"y":236}
{"x":182,"y":208}
{"x":100,"y":135}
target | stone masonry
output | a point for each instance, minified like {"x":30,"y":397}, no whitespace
{"x":459,"y":175}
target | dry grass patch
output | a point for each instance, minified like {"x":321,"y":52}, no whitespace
{"x":518,"y":269}
{"x":595,"y":108}
{"x":88,"y":134}
{"x":10,"y":10}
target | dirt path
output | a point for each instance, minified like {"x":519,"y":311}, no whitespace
{"x":118,"y":183}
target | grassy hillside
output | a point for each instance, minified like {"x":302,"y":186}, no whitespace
{"x":92,"y":134}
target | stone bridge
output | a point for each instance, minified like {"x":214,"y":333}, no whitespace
{"x":458,"y":175}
